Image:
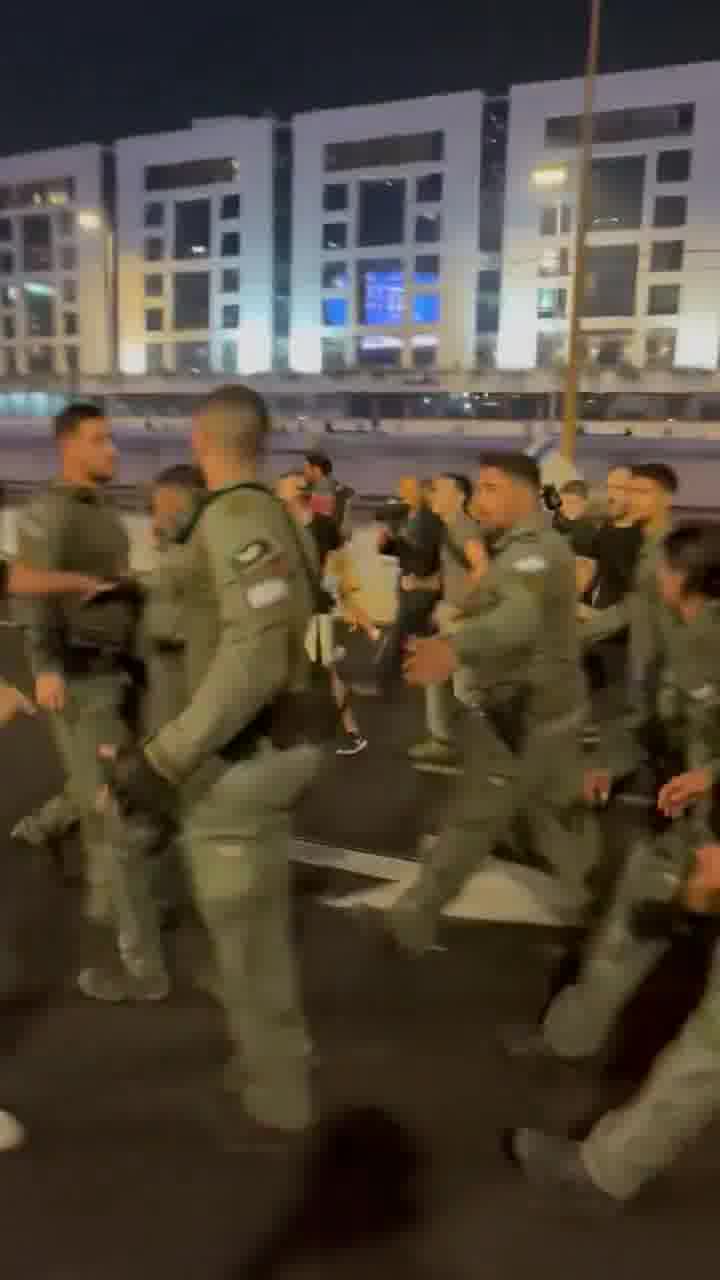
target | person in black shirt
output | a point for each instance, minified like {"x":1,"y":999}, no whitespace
{"x":614,"y":553}
{"x":415,"y":543}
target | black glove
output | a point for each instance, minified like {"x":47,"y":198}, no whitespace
{"x":138,"y":788}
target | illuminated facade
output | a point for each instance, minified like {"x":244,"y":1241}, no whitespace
{"x":654,"y":244}
{"x":195,"y":249}
{"x":55,"y":243}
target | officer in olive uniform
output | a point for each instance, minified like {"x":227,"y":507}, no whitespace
{"x":518,"y":634}
{"x":629,"y":1146}
{"x":250,"y":591}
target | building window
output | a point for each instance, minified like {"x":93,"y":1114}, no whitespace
{"x":610,"y":280}
{"x":670,"y":211}
{"x":154,"y":249}
{"x":6,"y":229}
{"x":72,"y":359}
{"x":426,"y":308}
{"x":230,"y":207}
{"x":429,"y":188}
{"x":9,"y":328}
{"x":11,"y":363}
{"x":673,"y":166}
{"x":192,"y":357}
{"x":428,"y":228}
{"x":380,"y":291}
{"x":334,"y":312}
{"x":381,"y":213}
{"x":154,"y":320}
{"x":7,"y":264}
{"x":383,"y":352}
{"x":374,"y":153}
{"x":335,"y":275}
{"x":192,"y":301}
{"x":487,"y":302}
{"x":424,"y":349}
{"x":68,"y":257}
{"x":154,"y":286}
{"x":155,"y":357}
{"x":548,"y":220}
{"x":660,"y":349}
{"x":231,"y":316}
{"x":192,"y":229}
{"x":618,"y":187}
{"x":39,"y":310}
{"x":229,"y":356}
{"x":155,"y":214}
{"x":189,"y":173}
{"x":8,"y":295}
{"x":631,"y":125}
{"x":667,"y":255}
{"x":565,"y":219}
{"x":70,"y":324}
{"x":231,"y":280}
{"x":554,"y":262}
{"x":607,"y":350}
{"x":333,"y":355}
{"x":334,"y":235}
{"x":230,"y":244}
{"x":66,"y":224}
{"x":663,"y":299}
{"x":37,"y":245}
{"x":39,"y":359}
{"x":551,"y":303}
{"x":427,"y":268}
{"x":335,"y":197}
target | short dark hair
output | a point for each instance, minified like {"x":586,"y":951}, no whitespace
{"x":519,"y":466}
{"x":69,"y":420}
{"x":460,"y":481}
{"x":320,"y":460}
{"x":694,"y":549}
{"x":659,"y":472}
{"x":577,"y":487}
{"x":182,"y":476}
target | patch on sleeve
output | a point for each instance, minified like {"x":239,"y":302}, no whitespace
{"x":261,"y":595}
{"x":531,"y":564}
{"x":250,"y":554}
{"x":704,"y":694}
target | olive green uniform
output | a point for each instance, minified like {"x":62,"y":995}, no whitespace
{"x":519,"y":637}
{"x":248,"y":599}
{"x":442,"y":700}
{"x":630,"y":1145}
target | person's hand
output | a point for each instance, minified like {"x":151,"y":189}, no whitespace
{"x":134,"y":785}
{"x":383,"y":537}
{"x":478,"y":558}
{"x":679,"y":792}
{"x":50,"y":691}
{"x":585,"y":612}
{"x":705,"y":879}
{"x":430,"y":660}
{"x":14,"y":703}
{"x":596,"y":786}
{"x":408,"y":582}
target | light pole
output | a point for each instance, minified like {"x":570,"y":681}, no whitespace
{"x":584,"y":210}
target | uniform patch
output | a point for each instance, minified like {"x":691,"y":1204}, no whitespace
{"x":264,"y":594}
{"x":703,"y":694}
{"x":250,"y":554}
{"x":531,"y":564}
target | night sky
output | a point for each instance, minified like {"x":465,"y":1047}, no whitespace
{"x":84,"y":71}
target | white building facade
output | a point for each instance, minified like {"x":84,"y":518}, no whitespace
{"x":194,"y":220}
{"x":652,"y":298}
{"x":385,"y":222}
{"x":54,"y":264}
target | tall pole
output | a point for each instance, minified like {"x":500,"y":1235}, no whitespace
{"x":584,"y":209}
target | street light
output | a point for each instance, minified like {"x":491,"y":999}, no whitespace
{"x":89,"y":220}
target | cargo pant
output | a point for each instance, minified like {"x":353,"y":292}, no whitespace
{"x":445,"y":702}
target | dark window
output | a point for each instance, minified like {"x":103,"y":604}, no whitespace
{"x":565,"y":219}
{"x":606,"y":350}
{"x":154,"y":357}
{"x":334,"y":235}
{"x":72,"y":359}
{"x":9,"y":328}
{"x":632,"y":125}
{"x":231,"y":317}
{"x":154,"y":214}
{"x":379,"y":353}
{"x":618,"y":184}
{"x":372,"y":153}
{"x":68,"y":257}
{"x":229,"y":356}
{"x":335,"y":197}
{"x":66,"y":223}
{"x":7,"y":264}
{"x":230,"y":207}
{"x":551,"y":303}
{"x":39,"y":310}
{"x":673,"y":166}
{"x":380,"y":291}
{"x":6,"y":229}
{"x":69,"y":291}
{"x":37,"y":245}
{"x":154,"y":320}
{"x":381,"y":213}
{"x":230,"y":244}
{"x":663,"y":299}
{"x":192,"y":300}
{"x":660,"y":349}
{"x":189,"y":173}
{"x":335,"y":275}
{"x":53,"y":191}
{"x":192,"y":229}
{"x":333,"y":355}
{"x":334,"y":312}
{"x":548,"y":220}
{"x":487,"y":303}
{"x":230,"y":280}
{"x":153,"y":286}
{"x":554,"y":262}
{"x":428,"y":228}
{"x":427,"y":268}
{"x":667,"y":255}
{"x":11,"y":362}
{"x":610,"y":280}
{"x":429,"y":188}
{"x":424,"y":355}
{"x":39,"y":359}
{"x":426,"y":308}
{"x":670,"y":211}
{"x":154,"y":249}
{"x":192,"y":357}
{"x":70,"y":324}
{"x":8,"y":296}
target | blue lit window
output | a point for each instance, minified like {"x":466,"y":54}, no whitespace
{"x":427,"y":268}
{"x":426,"y":308}
{"x":381,"y":291}
{"x":335,"y":312}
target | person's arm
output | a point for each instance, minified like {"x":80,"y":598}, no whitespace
{"x":40,"y":550}
{"x":511,"y":620}
{"x":18,"y":579}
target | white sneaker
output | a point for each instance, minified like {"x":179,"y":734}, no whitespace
{"x":12,"y":1133}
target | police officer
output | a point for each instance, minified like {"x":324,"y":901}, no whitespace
{"x":519,"y":637}
{"x":249,"y":596}
{"x":630,"y":1145}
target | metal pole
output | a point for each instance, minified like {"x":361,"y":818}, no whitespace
{"x":584,"y":209}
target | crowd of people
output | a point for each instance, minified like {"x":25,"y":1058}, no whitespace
{"x":186,"y":702}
